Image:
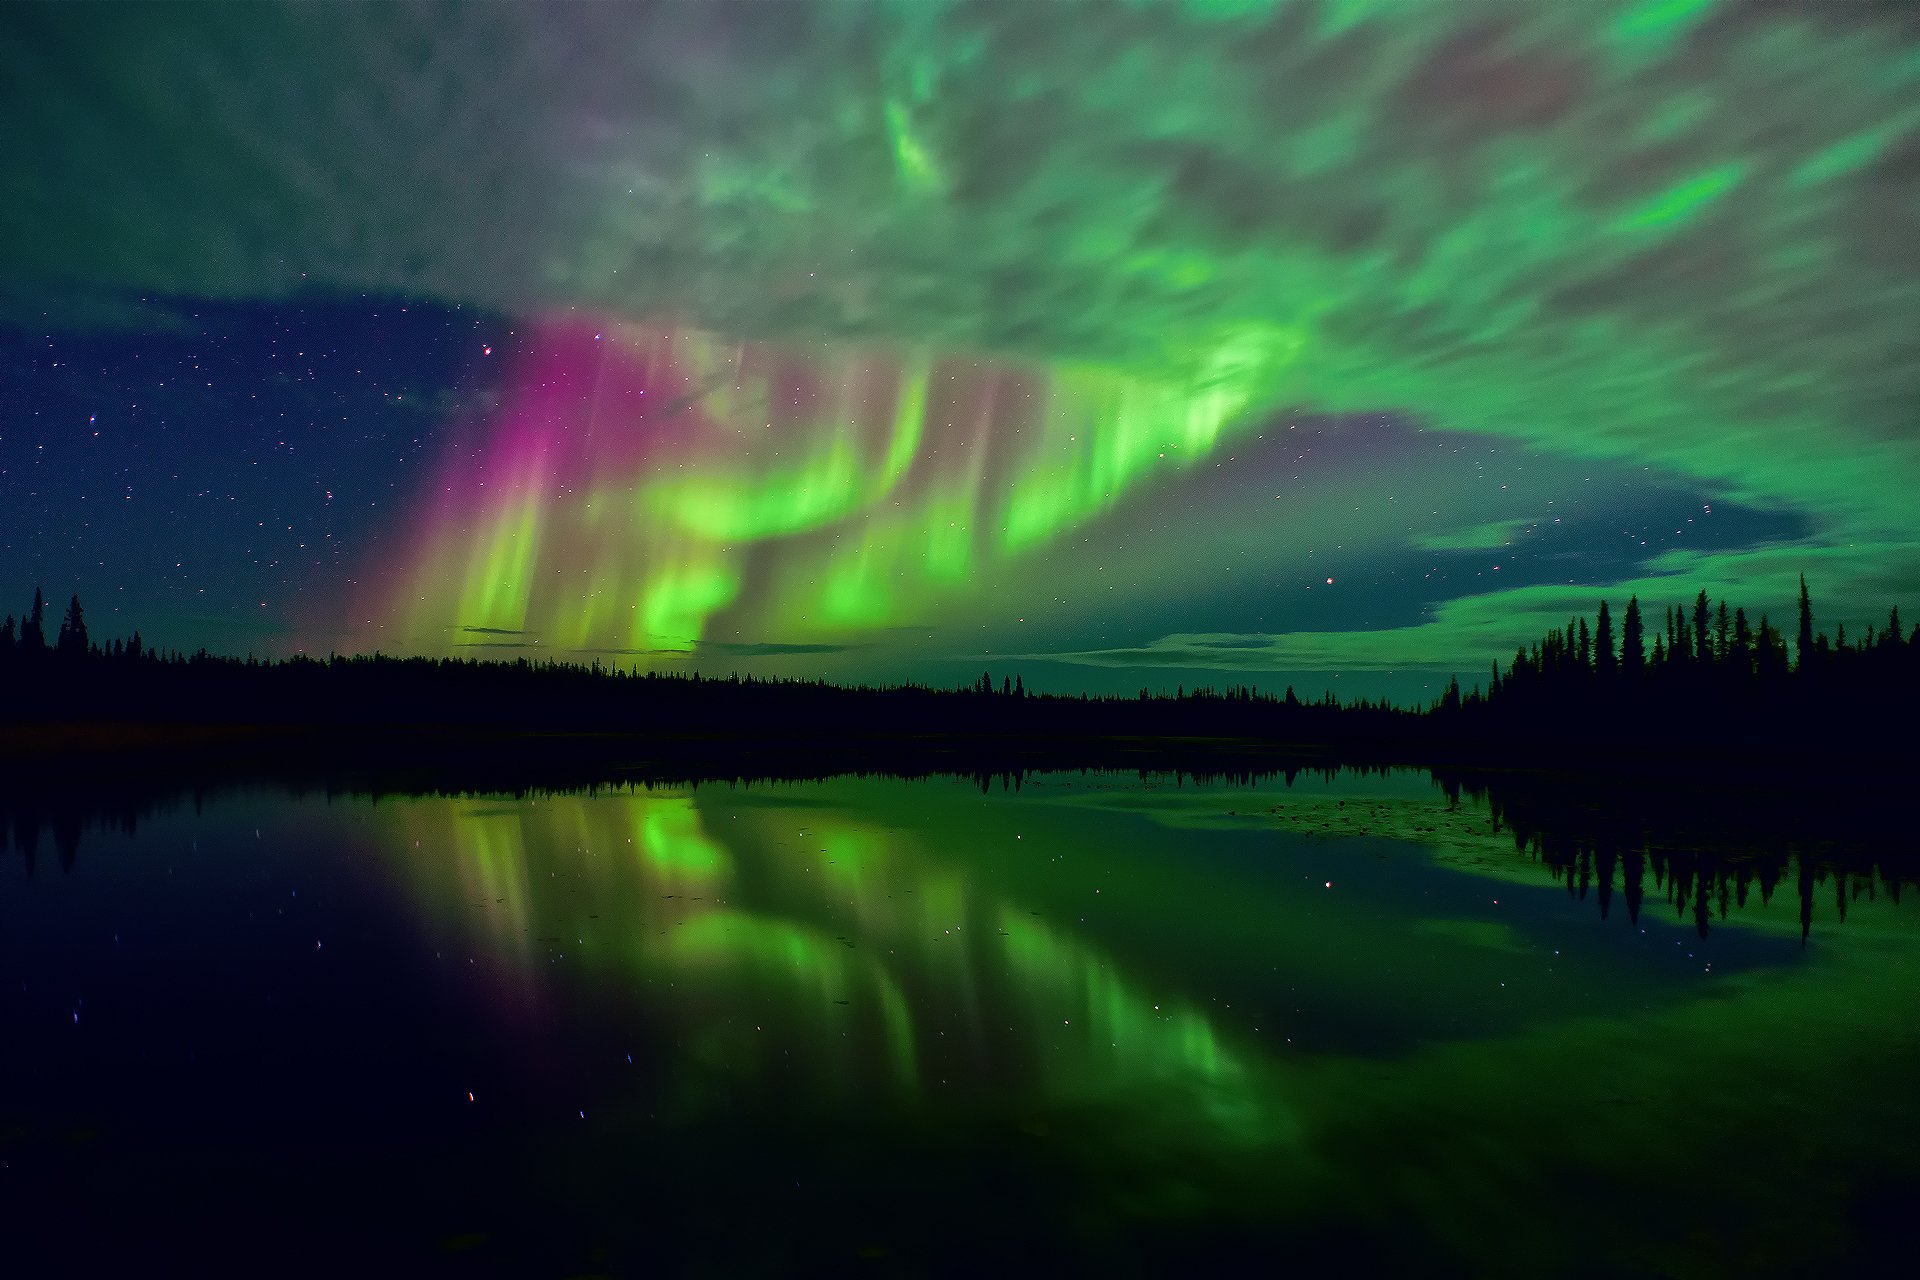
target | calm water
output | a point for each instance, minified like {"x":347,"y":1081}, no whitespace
{"x":915,"y":1026}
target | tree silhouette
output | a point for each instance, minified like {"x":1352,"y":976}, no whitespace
{"x":73,"y":631}
{"x":1548,"y":705}
{"x":33,"y":632}
{"x":1633,"y":652}
{"x":1803,"y":641}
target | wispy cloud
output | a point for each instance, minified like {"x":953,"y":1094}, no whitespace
{"x":1688,"y":244}
{"x":1489,"y":536}
{"x":772,"y":648}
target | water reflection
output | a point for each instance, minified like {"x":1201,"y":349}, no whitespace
{"x":1706,"y":852}
{"x":795,"y":940}
{"x":1358,"y":1018}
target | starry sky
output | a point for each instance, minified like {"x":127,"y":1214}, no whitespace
{"x":1339,"y":343}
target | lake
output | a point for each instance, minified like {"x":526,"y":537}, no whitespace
{"x":1102,"y":1022}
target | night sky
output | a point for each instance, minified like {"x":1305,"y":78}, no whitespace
{"x":1338,"y":343}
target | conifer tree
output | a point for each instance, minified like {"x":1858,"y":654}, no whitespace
{"x":1803,"y":641}
{"x":1633,"y":649}
{"x":33,"y":632}
{"x":73,"y":631}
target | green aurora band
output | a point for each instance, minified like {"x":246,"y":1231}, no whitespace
{"x":634,"y":481}
{"x":1667,"y":234}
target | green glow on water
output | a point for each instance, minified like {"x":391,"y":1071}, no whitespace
{"x":1344,"y":1000}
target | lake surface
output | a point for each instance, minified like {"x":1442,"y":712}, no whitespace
{"x":1091,"y":1022}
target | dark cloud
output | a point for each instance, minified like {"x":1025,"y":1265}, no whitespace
{"x":767,"y":649}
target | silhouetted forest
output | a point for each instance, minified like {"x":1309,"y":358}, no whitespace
{"x":1702,"y":684}
{"x":1702,"y":676}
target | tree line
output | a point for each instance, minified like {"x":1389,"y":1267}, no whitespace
{"x":128,"y":681}
{"x":1703,"y":673}
{"x":1703,"y":678}
{"x":29,"y":637}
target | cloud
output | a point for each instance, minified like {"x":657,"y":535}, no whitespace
{"x":772,"y":649}
{"x":1490,"y":536}
{"x":702,"y":648}
{"x":1684,"y":236}
{"x":1851,"y":586}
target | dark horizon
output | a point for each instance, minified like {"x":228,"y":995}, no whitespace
{"x":1738,"y":684}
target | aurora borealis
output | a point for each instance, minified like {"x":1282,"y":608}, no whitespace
{"x":635,"y":479}
{"x":1117,"y":344}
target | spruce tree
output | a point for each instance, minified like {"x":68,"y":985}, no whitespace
{"x":1803,"y":642}
{"x":33,"y":632}
{"x":1633,"y":647}
{"x":73,"y":631}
